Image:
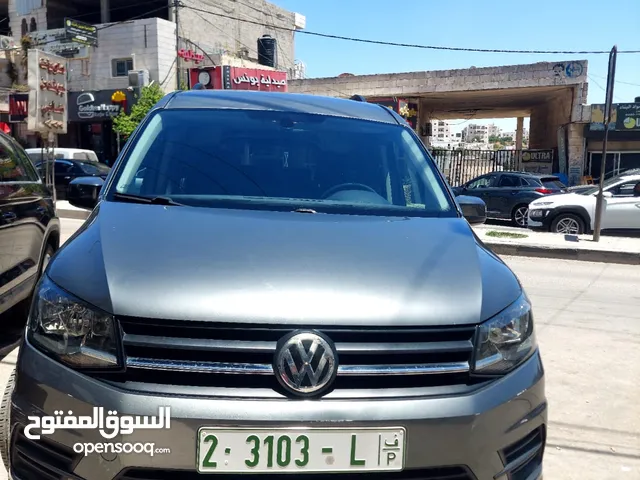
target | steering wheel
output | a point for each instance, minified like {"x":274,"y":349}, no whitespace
{"x":346,"y":186}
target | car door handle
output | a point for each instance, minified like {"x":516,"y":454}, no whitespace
{"x":67,"y":178}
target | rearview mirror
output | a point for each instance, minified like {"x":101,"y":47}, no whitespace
{"x":473,"y":209}
{"x":83,"y":192}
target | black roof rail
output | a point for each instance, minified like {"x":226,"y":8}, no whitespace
{"x":358,"y":98}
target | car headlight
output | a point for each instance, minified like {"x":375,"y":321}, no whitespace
{"x":541,"y":204}
{"x":506,"y":340}
{"x":70,"y":330}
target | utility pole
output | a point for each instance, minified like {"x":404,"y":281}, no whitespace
{"x":176,"y":5}
{"x":611,"y":76}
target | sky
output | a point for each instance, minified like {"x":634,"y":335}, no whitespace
{"x":567,"y":25}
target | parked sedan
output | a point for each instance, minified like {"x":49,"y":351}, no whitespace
{"x":508,"y":194}
{"x":67,"y":169}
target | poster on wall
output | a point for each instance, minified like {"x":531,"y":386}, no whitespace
{"x":47,"y":79}
{"x":628,"y":117}
{"x":537,"y":161}
{"x":18,"y":107}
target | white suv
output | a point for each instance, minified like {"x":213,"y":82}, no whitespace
{"x":574,"y":213}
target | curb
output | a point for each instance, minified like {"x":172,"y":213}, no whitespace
{"x":583,"y":255}
{"x":73,"y":214}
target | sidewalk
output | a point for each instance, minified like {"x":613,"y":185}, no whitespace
{"x":66,"y":210}
{"x":527,"y":243}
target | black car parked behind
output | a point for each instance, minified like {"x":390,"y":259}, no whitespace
{"x":67,"y":170}
{"x":508,"y":194}
{"x":29,"y":228}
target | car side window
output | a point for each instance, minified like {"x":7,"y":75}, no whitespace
{"x":14,"y":168}
{"x":64,"y":166}
{"x":482,"y":182}
{"x":524,"y":182}
{"x":624,"y":190}
{"x":508,"y":181}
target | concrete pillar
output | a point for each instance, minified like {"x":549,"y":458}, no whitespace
{"x":171,"y":17}
{"x":519,"y":132}
{"x":105,"y":16}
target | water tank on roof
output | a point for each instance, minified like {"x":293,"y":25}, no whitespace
{"x":637,"y":100}
{"x":267,"y":51}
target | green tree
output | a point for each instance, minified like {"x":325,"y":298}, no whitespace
{"x":124,"y":123}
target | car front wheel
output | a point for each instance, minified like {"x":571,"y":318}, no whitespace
{"x":568,"y":224}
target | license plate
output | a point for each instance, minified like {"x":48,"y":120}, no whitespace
{"x":303,"y":450}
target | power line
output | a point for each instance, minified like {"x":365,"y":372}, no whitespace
{"x":411,"y":45}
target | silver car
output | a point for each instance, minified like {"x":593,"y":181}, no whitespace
{"x":274,"y":284}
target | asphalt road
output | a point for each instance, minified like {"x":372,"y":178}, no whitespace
{"x":588,"y":328}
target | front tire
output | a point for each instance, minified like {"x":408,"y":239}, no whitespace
{"x":5,"y":420}
{"x":568,"y":224}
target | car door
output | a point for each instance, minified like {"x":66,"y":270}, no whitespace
{"x":622,"y":210}
{"x":507,"y":194}
{"x":63,"y":174}
{"x":484,"y":187}
{"x":22,"y":194}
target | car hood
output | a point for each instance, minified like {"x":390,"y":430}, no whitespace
{"x":569,"y":198}
{"x":188,"y":263}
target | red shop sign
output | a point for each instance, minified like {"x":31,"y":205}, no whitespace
{"x":190,"y":55}
{"x":237,"y":78}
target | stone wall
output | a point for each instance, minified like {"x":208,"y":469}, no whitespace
{"x":415,"y":83}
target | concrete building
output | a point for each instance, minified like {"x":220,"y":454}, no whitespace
{"x":146,"y":45}
{"x":474,"y":133}
{"x":493,"y":130}
{"x":440,"y":131}
{"x":552,"y":94}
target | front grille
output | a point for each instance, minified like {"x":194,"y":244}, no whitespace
{"x":232,"y":356}
{"x":41,"y":459}
{"x":523,"y":458}
{"x":444,"y":473}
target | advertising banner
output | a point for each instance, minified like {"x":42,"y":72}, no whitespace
{"x":537,"y":161}
{"x":47,"y":93}
{"x":99,"y":106}
{"x":18,"y":107}
{"x":628,"y":117}
{"x":236,"y":78}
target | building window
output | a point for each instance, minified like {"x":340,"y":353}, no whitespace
{"x":33,"y":26}
{"x":25,"y":27}
{"x":120,"y":67}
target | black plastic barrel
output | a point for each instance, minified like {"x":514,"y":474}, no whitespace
{"x":637,"y":100}
{"x":267,"y":51}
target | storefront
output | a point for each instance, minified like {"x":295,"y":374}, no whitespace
{"x":238,"y":78}
{"x":623,"y":145}
{"x":405,"y":108}
{"x":91,"y":117}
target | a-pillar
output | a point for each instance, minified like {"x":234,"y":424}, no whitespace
{"x":105,"y":7}
{"x":519,"y":132}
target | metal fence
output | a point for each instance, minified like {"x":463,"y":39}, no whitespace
{"x":460,"y":166}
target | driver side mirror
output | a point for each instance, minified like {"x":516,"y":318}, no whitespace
{"x":83,"y":192}
{"x":473,"y":209}
{"x":607,"y":194}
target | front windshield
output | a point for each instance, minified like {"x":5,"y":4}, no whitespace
{"x":607,"y":183}
{"x":282,"y":161}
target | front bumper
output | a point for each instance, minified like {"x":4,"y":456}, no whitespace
{"x":540,"y":218}
{"x":465,"y":437}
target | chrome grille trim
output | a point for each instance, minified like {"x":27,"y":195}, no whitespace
{"x":264,"y":369}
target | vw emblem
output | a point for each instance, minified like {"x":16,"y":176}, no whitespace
{"x":305,"y":363}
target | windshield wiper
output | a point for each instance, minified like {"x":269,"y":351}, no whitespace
{"x":157,"y":200}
